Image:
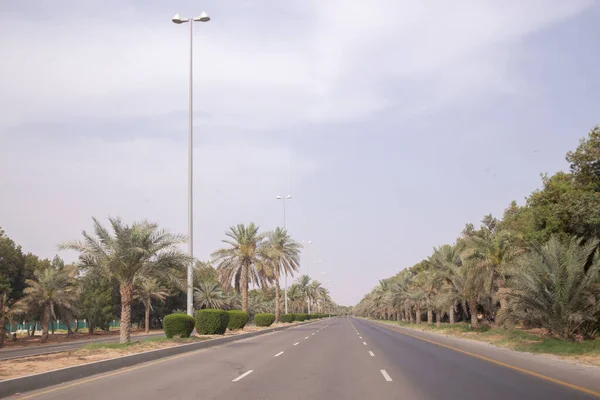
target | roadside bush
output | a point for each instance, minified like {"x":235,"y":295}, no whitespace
{"x":237,"y":319}
{"x":180,"y":325}
{"x":264,"y":319}
{"x":211,"y":322}
{"x":286,"y":318}
{"x":299,"y":317}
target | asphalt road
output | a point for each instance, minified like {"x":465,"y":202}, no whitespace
{"x":6,"y":354}
{"x":332,"y":359}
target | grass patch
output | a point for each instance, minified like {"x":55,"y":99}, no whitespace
{"x":562,"y":347}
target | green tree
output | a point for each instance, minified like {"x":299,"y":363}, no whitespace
{"x":9,"y":310}
{"x":51,"y":288}
{"x":239,"y":261}
{"x":209,"y":295}
{"x":129,"y":253}
{"x":95,"y":302}
{"x":585,"y":160}
{"x":148,"y":289}
{"x":557,"y":286}
{"x":282,"y":253}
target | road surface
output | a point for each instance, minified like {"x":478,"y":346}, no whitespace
{"x":18,"y":352}
{"x":338,"y":358}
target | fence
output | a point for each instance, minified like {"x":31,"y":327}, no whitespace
{"x":58,"y":325}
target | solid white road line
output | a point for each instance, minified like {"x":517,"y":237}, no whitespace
{"x":296,"y":344}
{"x":371,"y":353}
{"x":278,"y":354}
{"x":365,"y":343}
{"x":243,"y":375}
{"x":386,"y":376}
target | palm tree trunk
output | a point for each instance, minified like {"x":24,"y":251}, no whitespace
{"x":2,"y":328}
{"x":418,"y":311}
{"x":126,"y":290}
{"x":147,"y":316}
{"x":277,"y":307}
{"x":451,"y":315}
{"x":244,"y":288}
{"x":410,"y":315}
{"x":429,"y":316}
{"x":473,"y":311}
{"x":45,"y":321}
{"x":438,"y":318}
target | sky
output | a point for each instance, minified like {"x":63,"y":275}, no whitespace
{"x":392,"y":123}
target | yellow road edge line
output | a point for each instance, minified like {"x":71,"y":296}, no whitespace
{"x":144,"y":365}
{"x":525,"y":371}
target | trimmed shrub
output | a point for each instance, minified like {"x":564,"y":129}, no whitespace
{"x":211,"y":322}
{"x":299,"y":317}
{"x":264,"y":319}
{"x":237,"y":319}
{"x":286,"y":318}
{"x":180,"y":325}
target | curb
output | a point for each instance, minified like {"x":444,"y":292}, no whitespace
{"x":29,"y":383}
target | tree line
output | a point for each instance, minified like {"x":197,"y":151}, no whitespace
{"x":537,"y":267}
{"x":137,"y":272}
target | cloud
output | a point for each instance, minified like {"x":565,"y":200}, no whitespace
{"x":334,"y":61}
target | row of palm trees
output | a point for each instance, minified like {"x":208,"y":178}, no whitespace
{"x":148,"y":265}
{"x":494,"y":277}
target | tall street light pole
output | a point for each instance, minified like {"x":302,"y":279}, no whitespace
{"x":289,"y":196}
{"x":203,"y":17}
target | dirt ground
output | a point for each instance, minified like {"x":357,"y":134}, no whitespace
{"x":35,"y":364}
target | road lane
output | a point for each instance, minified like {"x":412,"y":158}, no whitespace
{"x":206,"y":374}
{"x":333,"y":364}
{"x":436,"y":372}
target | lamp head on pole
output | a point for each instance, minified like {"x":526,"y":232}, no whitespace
{"x":202,"y":17}
{"x":178,"y":20}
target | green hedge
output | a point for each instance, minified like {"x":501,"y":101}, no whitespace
{"x":237,"y":319}
{"x":180,"y":325}
{"x":211,"y":322}
{"x":264,"y":319}
{"x":286,"y":317}
{"x":299,"y":317}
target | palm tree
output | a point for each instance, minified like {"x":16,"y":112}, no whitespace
{"x":128,"y":254}
{"x":8,"y":311}
{"x":238,"y":262}
{"x":210,"y":295}
{"x":557,"y":287}
{"x":296,"y":298}
{"x":283,"y":254}
{"x":486,"y":255}
{"x":148,"y":289}
{"x":448,"y":261}
{"x":51,"y":289}
{"x":303,"y":283}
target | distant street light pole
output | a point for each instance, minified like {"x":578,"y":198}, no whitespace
{"x":289,"y":196}
{"x":190,"y":270}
